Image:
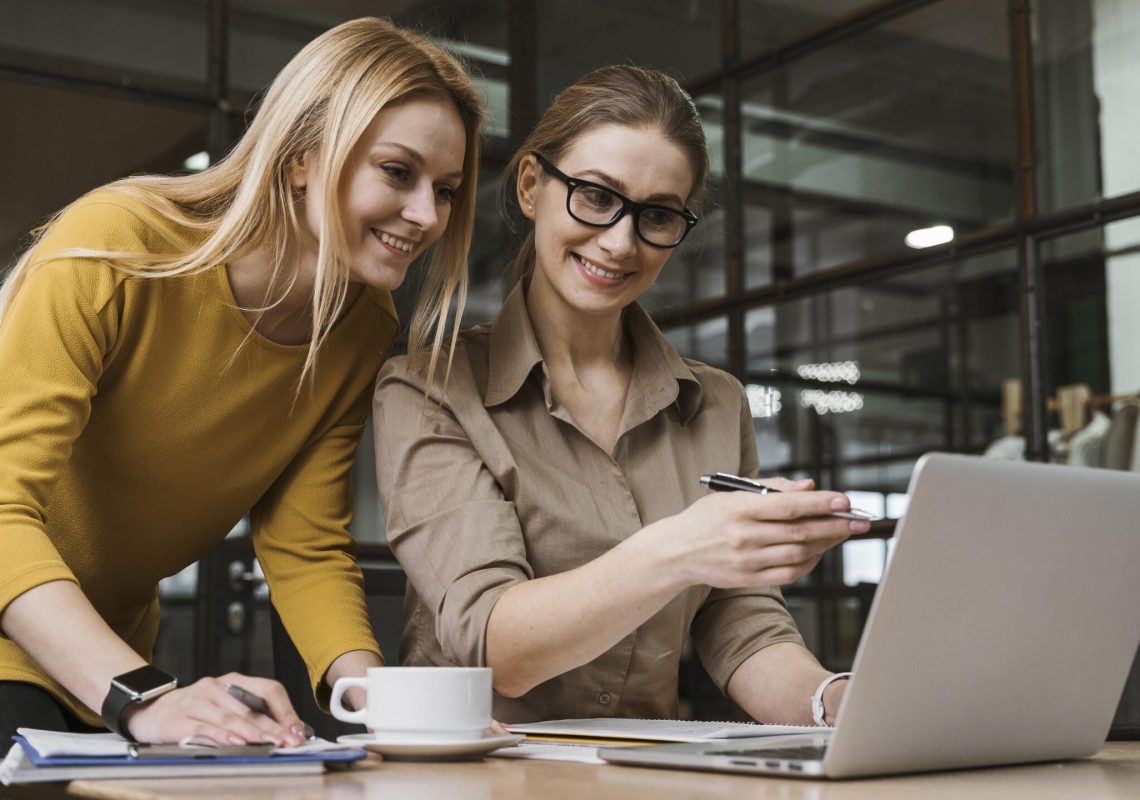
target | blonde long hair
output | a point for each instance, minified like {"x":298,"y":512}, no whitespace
{"x":322,"y":101}
{"x":619,"y":94}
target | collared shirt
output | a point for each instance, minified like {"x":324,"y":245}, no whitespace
{"x":495,"y":484}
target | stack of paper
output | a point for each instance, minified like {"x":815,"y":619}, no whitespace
{"x":608,"y":730}
{"x":40,"y":756}
{"x":579,"y":739}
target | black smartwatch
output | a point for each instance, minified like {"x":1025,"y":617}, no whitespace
{"x":136,"y":686}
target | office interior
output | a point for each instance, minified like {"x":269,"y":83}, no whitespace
{"x":922,"y":231}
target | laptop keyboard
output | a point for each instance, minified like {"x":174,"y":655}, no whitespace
{"x":804,"y":753}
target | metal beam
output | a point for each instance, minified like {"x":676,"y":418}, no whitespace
{"x":208,"y":626}
{"x":734,"y":252}
{"x":104,"y":83}
{"x":219,"y":138}
{"x":867,"y":270}
{"x":522,"y":44}
{"x":827,"y":35}
{"x":1034,"y":351}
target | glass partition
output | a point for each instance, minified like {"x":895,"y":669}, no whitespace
{"x":103,"y":40}
{"x":705,"y":341}
{"x":900,"y":136}
{"x":695,"y":271}
{"x":63,"y":143}
{"x":576,"y":36}
{"x":768,"y":24}
{"x":870,"y":377}
{"x":1092,"y":280}
{"x":1085,"y":60}
{"x":265,"y":34}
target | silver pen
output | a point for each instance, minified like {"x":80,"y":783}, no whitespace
{"x":257,"y":704}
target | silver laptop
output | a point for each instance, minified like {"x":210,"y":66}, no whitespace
{"x":1002,"y":633}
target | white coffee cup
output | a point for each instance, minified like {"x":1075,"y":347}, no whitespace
{"x":420,"y":704}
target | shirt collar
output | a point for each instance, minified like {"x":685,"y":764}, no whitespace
{"x":513,"y":350}
{"x":660,"y":376}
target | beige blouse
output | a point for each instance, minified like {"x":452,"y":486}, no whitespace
{"x":495,"y":484}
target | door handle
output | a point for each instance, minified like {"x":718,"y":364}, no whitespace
{"x":241,"y":579}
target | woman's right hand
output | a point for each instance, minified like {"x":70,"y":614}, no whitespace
{"x":739,"y":539}
{"x":205,"y":708}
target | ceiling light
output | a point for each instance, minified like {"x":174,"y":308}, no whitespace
{"x":830,"y":373}
{"x":197,"y":162}
{"x":929,"y":237}
{"x":833,"y":402}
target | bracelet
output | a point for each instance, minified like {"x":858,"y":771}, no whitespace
{"x":817,"y":710}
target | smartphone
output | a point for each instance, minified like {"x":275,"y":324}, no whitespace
{"x":141,"y":750}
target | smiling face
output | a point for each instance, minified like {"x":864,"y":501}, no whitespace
{"x":396,"y":188}
{"x":602,"y":270}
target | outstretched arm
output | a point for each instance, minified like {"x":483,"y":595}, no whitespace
{"x":56,"y":625}
{"x":463,"y":547}
{"x":544,"y":627}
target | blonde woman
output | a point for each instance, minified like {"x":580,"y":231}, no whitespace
{"x":549,"y":513}
{"x":178,"y":351}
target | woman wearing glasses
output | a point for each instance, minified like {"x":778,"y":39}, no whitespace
{"x":546,"y":503}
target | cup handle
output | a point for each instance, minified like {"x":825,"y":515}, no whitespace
{"x":338,"y":710}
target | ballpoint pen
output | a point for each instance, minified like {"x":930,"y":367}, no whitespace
{"x":257,"y":704}
{"x":726,"y":482}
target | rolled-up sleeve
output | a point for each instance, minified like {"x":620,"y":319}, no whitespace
{"x":451,"y":528}
{"x":733,"y":624}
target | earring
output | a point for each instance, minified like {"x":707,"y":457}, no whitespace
{"x":530,"y":208}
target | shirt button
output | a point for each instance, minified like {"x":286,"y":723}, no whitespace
{"x":605,"y":698}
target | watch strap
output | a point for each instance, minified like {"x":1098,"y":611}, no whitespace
{"x":818,"y":712}
{"x":112,"y":712}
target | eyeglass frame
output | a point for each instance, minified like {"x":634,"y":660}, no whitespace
{"x":628,"y":206}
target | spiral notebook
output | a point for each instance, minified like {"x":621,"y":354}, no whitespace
{"x":42,"y":756}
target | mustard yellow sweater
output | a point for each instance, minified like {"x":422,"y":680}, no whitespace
{"x":140,"y":419}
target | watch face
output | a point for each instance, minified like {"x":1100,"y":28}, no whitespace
{"x":144,"y":680}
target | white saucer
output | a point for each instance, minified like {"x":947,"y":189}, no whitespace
{"x":441,"y":749}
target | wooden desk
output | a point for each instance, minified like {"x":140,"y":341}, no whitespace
{"x":1112,"y":773}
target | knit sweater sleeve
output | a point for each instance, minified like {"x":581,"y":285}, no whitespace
{"x":55,"y":338}
{"x":300,"y":534}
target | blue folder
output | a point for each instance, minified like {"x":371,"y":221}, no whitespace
{"x":334,"y":756}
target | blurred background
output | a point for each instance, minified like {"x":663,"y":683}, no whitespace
{"x":922,"y":231}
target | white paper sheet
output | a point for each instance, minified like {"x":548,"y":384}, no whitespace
{"x":550,"y":751}
{"x":657,"y":730}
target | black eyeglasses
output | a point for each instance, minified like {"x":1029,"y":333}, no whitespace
{"x":601,"y":207}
